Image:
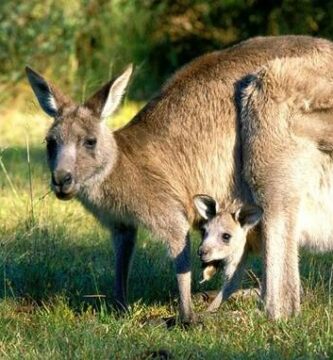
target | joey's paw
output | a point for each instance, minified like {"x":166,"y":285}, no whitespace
{"x":209,"y":270}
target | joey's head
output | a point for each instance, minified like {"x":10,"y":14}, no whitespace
{"x":80,"y":148}
{"x":224,"y":232}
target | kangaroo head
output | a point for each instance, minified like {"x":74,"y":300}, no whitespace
{"x":80,"y":148}
{"x":224,"y":232}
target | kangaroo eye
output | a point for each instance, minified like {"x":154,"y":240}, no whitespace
{"x":51,"y":143}
{"x":90,"y":143}
{"x":226,"y":237}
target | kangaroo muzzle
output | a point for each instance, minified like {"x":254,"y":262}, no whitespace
{"x":63,"y":184}
{"x":62,"y":175}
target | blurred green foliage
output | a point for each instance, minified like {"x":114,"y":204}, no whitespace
{"x":81,"y":42}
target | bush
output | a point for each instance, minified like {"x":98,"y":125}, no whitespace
{"x":82,"y":42}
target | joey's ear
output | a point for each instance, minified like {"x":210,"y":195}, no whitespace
{"x":206,"y":206}
{"x":106,"y":100}
{"x":51,"y":100}
{"x":249,"y":215}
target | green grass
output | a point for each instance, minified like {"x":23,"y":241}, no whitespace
{"x":53,"y":254}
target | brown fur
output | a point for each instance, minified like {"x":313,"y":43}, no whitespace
{"x":185,"y":141}
{"x":287,"y":147}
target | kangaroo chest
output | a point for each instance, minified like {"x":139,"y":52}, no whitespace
{"x":99,"y":204}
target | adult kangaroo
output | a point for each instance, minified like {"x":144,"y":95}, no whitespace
{"x":287,"y":141}
{"x":185,"y":141}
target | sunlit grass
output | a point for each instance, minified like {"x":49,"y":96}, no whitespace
{"x":16,"y":125}
{"x":51,"y":258}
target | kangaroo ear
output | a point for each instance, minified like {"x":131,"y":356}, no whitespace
{"x":51,"y":100}
{"x":106,"y":100}
{"x":206,"y":206}
{"x":249,"y":216}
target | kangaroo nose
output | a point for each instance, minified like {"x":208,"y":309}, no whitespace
{"x":62,"y":178}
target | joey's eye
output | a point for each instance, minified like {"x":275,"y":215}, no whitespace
{"x":226,"y":237}
{"x":90,"y":143}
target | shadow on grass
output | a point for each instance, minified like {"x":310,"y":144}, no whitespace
{"x":43,"y":264}
{"x":40,"y":264}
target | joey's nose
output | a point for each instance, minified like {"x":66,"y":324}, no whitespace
{"x":62,"y":178}
{"x":202,"y":252}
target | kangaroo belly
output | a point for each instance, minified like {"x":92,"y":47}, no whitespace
{"x":316,"y":211}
